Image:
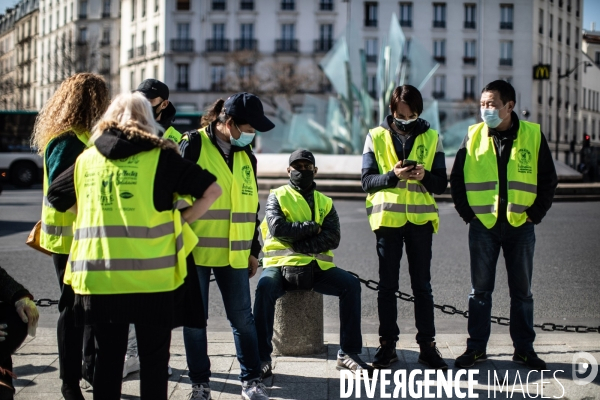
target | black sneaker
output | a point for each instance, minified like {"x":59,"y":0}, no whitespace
{"x":530,"y":359}
{"x":266,"y":370}
{"x":431,"y":356}
{"x":469,"y":358}
{"x":386,"y":354}
{"x":354,"y":363}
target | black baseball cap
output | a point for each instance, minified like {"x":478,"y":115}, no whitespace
{"x":153,"y":88}
{"x":248,"y":107}
{"x":302,"y":154}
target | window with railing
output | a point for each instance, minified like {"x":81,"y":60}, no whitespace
{"x":326,"y":5}
{"x":105,"y":9}
{"x":183,"y":76}
{"x":325,"y":41}
{"x":133,"y":7}
{"x":247,"y":5}
{"x":541,"y":21}
{"x":506,"y":16}
{"x":371,"y":10}
{"x":506,"y":53}
{"x":439,"y":15}
{"x":371,"y":50}
{"x":551,"y":26}
{"x":469,"y":57}
{"x":83,"y":10}
{"x":217,"y":78}
{"x":288,"y":41}
{"x":439,"y":87}
{"x":469,"y":88}
{"x":219,"y":5}
{"x":576,"y":37}
{"x":560,"y":29}
{"x":568,"y":39}
{"x":183,"y":5}
{"x":246,"y":40}
{"x":470,"y":14}
{"x":439,"y":51}
{"x":105,"y":37}
{"x":288,"y":5}
{"x":406,"y":14}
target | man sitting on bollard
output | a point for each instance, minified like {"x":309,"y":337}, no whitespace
{"x":300,"y":229}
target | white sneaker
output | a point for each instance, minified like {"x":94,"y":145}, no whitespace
{"x":169,"y":370}
{"x":132,"y":364}
{"x":200,"y":392}
{"x":254,"y":390}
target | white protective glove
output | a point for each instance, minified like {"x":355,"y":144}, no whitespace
{"x":29,"y":314}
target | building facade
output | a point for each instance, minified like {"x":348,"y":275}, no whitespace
{"x":8,"y":79}
{"x":590,"y":105}
{"x":77,"y":36}
{"x":26,"y":36}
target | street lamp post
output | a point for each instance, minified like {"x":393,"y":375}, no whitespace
{"x":587,"y":64}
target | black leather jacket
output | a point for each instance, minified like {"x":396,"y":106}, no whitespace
{"x":303,"y":237}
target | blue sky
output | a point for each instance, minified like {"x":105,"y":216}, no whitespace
{"x":591,"y":11}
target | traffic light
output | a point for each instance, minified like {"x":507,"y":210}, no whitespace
{"x":586,"y":140}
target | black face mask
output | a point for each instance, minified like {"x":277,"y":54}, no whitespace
{"x":302,"y":179}
{"x":155,"y":109}
{"x":405,"y":127}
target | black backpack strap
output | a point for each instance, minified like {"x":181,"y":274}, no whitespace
{"x":191,"y":146}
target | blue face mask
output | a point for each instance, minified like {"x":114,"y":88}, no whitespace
{"x":491,"y":116}
{"x":244,"y":140}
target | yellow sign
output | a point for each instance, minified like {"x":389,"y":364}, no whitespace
{"x":541,"y":71}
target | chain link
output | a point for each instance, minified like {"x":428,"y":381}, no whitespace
{"x":45,"y":302}
{"x":448,"y":309}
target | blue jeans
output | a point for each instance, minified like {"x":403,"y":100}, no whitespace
{"x":418,"y":239}
{"x":517,"y":245}
{"x":334,"y":282}
{"x":235,"y":289}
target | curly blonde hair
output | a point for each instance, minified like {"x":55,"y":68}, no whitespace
{"x":76,"y":106}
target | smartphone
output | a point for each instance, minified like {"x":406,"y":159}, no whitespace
{"x":408,"y":163}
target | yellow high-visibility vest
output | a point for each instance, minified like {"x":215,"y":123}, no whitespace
{"x":173,"y":135}
{"x":481,"y":173}
{"x":56,"y":234}
{"x":409,"y":201}
{"x":226,"y":231}
{"x":296,"y":209}
{"x":122,"y":244}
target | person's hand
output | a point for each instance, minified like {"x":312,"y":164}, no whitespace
{"x":417,"y":172}
{"x":3,"y":333}
{"x":402,"y":172}
{"x":28,"y":313}
{"x":252,"y":266}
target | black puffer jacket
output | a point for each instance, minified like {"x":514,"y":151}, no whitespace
{"x":11,"y":290}
{"x":303,"y":237}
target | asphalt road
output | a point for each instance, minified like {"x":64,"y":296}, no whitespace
{"x":565,"y":282}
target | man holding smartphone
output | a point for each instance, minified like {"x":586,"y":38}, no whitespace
{"x":503,"y":183}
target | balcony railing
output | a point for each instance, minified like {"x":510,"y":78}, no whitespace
{"x":105,"y":42}
{"x":541,"y":29}
{"x":469,"y":25}
{"x":326,"y":6}
{"x":217,"y":87}
{"x":438,"y":95}
{"x":371,"y":23}
{"x":439,"y":24}
{"x":506,"y":25}
{"x":247,"y":5}
{"x":141,"y":50}
{"x":246,"y":44}
{"x":371,"y":58}
{"x":154,"y":46}
{"x":323,"y":45}
{"x":406,"y":23}
{"x":104,"y":70}
{"x":506,"y":61}
{"x":468,"y":95}
{"x":129,"y":54}
{"x":559,"y":37}
{"x":81,"y":42}
{"x":183,"y":86}
{"x":469,"y":60}
{"x":286,"y":45}
{"x":540,"y":99}
{"x":566,"y":105}
{"x":182,"y":45}
{"x":217,"y":44}
{"x":568,"y":41}
{"x":106,"y":14}
{"x":440,"y":59}
{"x":82,"y":16}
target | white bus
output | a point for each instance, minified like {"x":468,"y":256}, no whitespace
{"x":20,"y":165}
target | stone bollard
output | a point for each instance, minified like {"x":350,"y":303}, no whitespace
{"x":298,"y":328}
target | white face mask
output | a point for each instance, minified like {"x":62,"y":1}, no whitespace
{"x":244,"y":140}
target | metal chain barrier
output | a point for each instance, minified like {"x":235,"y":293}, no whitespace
{"x":448,"y":309}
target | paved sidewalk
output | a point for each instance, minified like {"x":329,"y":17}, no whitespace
{"x":315,"y":377}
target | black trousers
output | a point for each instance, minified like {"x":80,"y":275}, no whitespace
{"x":17,"y":332}
{"x":72,"y":339}
{"x":153,"y":349}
